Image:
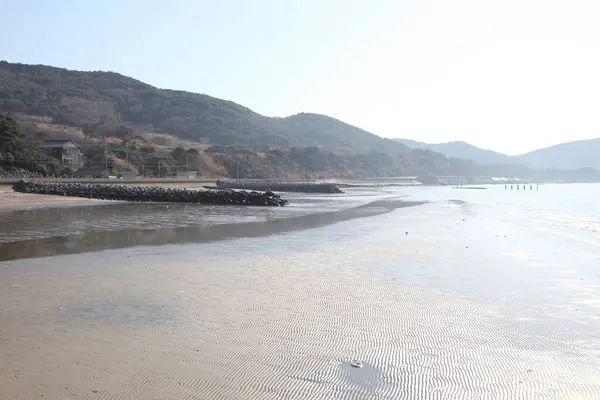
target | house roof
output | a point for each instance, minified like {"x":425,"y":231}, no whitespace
{"x":91,"y":170}
{"x":58,"y":143}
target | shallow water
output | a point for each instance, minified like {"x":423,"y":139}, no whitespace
{"x":55,"y":231}
{"x":483,"y":296}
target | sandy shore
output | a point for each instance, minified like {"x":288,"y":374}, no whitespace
{"x":10,"y":200}
{"x":442,"y":303}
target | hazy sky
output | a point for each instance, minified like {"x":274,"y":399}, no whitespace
{"x":508,"y":75}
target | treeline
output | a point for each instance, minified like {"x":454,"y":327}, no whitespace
{"x":19,"y":155}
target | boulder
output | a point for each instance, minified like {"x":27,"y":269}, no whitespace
{"x":150,"y":194}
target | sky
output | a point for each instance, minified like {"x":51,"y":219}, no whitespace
{"x":509,"y":75}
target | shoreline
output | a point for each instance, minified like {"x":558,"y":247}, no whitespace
{"x":100,"y":240}
{"x":152,"y":194}
{"x":14,"y":201}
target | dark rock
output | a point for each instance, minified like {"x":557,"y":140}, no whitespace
{"x":305,"y":187}
{"x":147,"y":194}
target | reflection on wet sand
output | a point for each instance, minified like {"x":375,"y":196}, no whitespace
{"x":159,"y":225}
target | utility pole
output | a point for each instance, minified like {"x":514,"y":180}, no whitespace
{"x":159,"y":168}
{"x":187,"y":165}
{"x":105,"y":154}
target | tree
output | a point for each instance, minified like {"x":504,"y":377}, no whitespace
{"x":192,"y":156}
{"x":20,"y":152}
{"x":179,"y":155}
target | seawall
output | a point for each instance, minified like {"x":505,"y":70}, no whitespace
{"x":150,"y":194}
{"x":304,"y":187}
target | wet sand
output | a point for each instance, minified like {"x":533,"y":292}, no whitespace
{"x":42,"y":233}
{"x":439,"y":301}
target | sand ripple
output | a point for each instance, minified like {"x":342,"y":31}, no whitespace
{"x":239,"y":320}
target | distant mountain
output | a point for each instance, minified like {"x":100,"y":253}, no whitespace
{"x":565,"y":156}
{"x":571,"y":155}
{"x":462,"y":150}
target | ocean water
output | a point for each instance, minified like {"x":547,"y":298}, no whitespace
{"x":475,"y":294}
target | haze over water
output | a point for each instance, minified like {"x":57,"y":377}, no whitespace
{"x":485,"y":294}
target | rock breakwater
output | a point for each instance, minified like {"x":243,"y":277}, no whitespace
{"x":150,"y":194}
{"x":304,"y":187}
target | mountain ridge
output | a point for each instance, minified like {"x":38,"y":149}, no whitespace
{"x":89,"y":106}
{"x":460,"y":149}
{"x":568,"y":155}
{"x":93,"y":100}
{"x":135,"y":119}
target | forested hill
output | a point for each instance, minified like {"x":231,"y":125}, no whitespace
{"x":142,"y":124}
{"x":100,"y":101}
{"x":463,"y":150}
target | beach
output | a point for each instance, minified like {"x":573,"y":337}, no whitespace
{"x":10,"y":200}
{"x":453,"y":298}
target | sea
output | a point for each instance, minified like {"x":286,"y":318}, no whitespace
{"x":377,"y":293}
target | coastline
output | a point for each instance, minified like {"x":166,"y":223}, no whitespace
{"x":125,"y":230}
{"x":13,"y":201}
